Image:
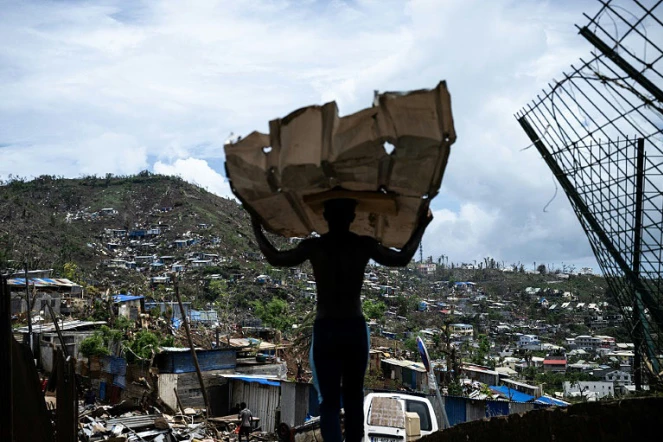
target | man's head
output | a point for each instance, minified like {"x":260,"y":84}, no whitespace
{"x":340,"y":213}
{"x":242,"y":405}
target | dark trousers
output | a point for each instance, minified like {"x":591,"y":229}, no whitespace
{"x":339,"y":354}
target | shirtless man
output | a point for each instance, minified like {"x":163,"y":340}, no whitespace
{"x":339,"y":349}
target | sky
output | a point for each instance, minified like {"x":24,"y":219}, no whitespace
{"x":122,"y":86}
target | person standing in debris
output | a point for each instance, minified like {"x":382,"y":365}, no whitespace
{"x":89,"y":398}
{"x":245,"y":418}
{"x":340,"y":343}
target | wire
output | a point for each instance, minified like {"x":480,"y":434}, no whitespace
{"x":553,"y":197}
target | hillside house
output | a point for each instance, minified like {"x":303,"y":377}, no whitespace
{"x":178,"y":373}
{"x":554,"y":364}
{"x":590,"y":390}
{"x":129,"y":306}
{"x":46,"y":340}
{"x":200,"y":263}
{"x":409,"y":374}
{"x":528,"y":341}
{"x":461,"y":330}
{"x":480,"y":374}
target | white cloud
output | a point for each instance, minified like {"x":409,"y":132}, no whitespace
{"x":116,"y":86}
{"x":197,"y":171}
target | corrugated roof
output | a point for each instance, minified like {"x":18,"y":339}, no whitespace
{"x":70,"y":325}
{"x":416,"y":366}
{"x":42,"y":282}
{"x":547,"y":400}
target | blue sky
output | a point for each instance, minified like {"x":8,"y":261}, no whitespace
{"x":121,"y":86}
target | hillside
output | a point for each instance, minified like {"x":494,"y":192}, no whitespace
{"x":49,"y":221}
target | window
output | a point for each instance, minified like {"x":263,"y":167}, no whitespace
{"x":421,"y":409}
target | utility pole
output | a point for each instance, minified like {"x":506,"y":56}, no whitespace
{"x":185,"y":321}
{"x":27,"y":299}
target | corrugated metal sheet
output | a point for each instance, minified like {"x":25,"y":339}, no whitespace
{"x":262,"y":400}
{"x":497,"y":408}
{"x":288,"y":402}
{"x":518,"y":407}
{"x":475,"y":410}
{"x":182,"y":362}
{"x":456,"y":410}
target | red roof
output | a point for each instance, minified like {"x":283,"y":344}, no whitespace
{"x":554,"y":362}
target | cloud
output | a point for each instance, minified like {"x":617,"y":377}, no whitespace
{"x":119,"y":86}
{"x":197,"y":171}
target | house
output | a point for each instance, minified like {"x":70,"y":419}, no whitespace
{"x":618,"y":377}
{"x":180,"y":243}
{"x":554,"y":363}
{"x":591,"y":390}
{"x":145,"y":259}
{"x":461,"y":330}
{"x":177,"y":373}
{"x":137,"y":233}
{"x":412,"y":375}
{"x":117,"y":233}
{"x":481,"y":374}
{"x":200,"y":263}
{"x":204,"y":316}
{"x":169,"y":307}
{"x":129,"y":306}
{"x":427,"y":268}
{"x":528,"y":341}
{"x":46,"y":340}
{"x":532,"y":390}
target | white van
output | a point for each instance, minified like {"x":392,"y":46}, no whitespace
{"x":385,"y":417}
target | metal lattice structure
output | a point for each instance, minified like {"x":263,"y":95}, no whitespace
{"x":600,"y":130}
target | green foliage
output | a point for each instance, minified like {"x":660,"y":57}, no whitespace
{"x":93,"y":346}
{"x":70,"y":271}
{"x":274,"y":313}
{"x":122,"y":323}
{"x":480,"y":354}
{"x":405,"y":304}
{"x":374,"y":309}
{"x":144,"y":345}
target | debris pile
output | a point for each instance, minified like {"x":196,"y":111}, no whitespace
{"x":101,"y":424}
{"x":116,"y":424}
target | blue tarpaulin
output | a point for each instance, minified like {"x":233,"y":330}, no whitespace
{"x":258,"y":380}
{"x":511,"y":394}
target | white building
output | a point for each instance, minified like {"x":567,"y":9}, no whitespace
{"x":527,"y":340}
{"x":461,"y":330}
{"x":591,"y":390}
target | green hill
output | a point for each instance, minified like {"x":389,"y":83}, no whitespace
{"x":49,"y":221}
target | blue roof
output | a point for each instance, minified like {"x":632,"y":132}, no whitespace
{"x":125,"y":298}
{"x":258,"y":380}
{"x":512,"y":394}
{"x":551,"y":401}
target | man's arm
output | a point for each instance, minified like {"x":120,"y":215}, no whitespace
{"x":392,"y":258}
{"x":286,"y":258}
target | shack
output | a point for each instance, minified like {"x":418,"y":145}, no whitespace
{"x":177,"y":373}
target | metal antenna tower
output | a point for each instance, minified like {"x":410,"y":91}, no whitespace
{"x":600,"y":131}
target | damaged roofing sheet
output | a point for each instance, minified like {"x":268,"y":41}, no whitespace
{"x":313,"y":155}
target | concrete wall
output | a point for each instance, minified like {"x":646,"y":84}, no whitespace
{"x":630,"y":420}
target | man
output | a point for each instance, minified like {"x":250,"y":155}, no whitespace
{"x":339,"y":351}
{"x":245,"y":418}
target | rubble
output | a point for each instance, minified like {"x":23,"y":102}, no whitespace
{"x":102,"y":424}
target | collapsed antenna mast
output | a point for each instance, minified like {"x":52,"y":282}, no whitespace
{"x":600,"y":130}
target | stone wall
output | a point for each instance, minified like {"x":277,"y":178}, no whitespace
{"x":630,"y":420}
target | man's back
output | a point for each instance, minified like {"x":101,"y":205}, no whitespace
{"x":339,"y":260}
{"x":245,"y":417}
